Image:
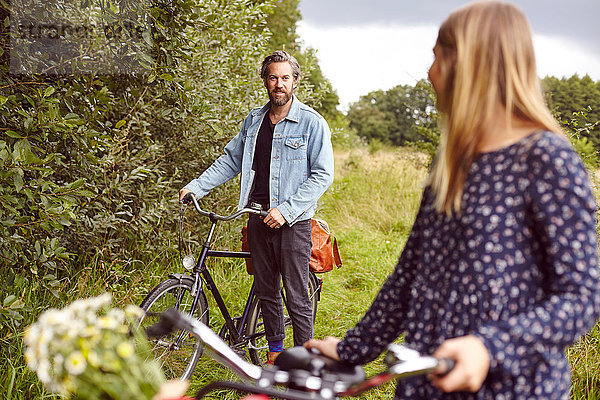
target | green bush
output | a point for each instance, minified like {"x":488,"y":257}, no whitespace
{"x":342,"y":136}
{"x":580,"y":129}
{"x":90,"y":165}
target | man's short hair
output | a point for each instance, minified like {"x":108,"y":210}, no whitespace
{"x":280,"y":56}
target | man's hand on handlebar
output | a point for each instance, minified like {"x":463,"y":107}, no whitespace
{"x":274,"y":219}
{"x":183,"y":193}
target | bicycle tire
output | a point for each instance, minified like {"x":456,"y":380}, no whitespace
{"x":178,"y":352}
{"x":258,"y":346}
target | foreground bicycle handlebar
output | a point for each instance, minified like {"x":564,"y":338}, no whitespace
{"x":304,"y":374}
{"x":190,"y":198}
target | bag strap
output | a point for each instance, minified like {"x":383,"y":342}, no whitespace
{"x":336,"y":254}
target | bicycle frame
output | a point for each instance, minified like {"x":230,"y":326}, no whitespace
{"x":200,"y":269}
{"x":203,"y":270}
{"x":241,"y":332}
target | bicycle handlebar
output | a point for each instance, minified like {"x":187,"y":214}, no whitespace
{"x":190,"y":197}
{"x":305,"y":373}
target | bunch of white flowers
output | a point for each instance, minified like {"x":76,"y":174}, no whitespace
{"x":93,"y":350}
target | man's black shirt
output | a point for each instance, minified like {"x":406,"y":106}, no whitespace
{"x":262,"y":161}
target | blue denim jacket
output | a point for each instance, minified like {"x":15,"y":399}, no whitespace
{"x":301,"y":162}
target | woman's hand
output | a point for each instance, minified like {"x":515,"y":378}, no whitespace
{"x":327,"y":346}
{"x":172,"y":389}
{"x":471,"y":368}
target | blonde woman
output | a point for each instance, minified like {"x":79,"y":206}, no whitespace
{"x":500,"y":270}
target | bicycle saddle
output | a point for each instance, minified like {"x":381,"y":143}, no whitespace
{"x":296,"y":359}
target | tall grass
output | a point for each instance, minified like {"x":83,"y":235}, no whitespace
{"x":370,"y":208}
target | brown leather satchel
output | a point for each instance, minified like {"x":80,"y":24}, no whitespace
{"x":324,"y":253}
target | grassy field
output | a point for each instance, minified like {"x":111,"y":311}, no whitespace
{"x":370,"y":208}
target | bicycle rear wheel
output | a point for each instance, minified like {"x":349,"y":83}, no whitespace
{"x":258,"y":346}
{"x":178,"y":352}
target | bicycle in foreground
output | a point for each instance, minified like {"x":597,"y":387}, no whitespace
{"x":299,"y":374}
{"x":180,"y":351}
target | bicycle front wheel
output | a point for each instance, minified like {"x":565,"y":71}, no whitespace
{"x":255,"y":329}
{"x":178,"y":352}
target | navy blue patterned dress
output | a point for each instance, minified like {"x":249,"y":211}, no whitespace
{"x":517,"y":268}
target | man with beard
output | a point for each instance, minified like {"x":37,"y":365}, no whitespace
{"x":284,"y":155}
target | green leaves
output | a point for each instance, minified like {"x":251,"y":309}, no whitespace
{"x":575,"y":102}
{"x":13,"y":134}
{"x":22,"y":152}
{"x":39,"y":195}
{"x":18,"y":179}
{"x":11,"y":309}
{"x":49,"y":91}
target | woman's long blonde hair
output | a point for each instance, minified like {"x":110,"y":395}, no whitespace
{"x":486,"y":55}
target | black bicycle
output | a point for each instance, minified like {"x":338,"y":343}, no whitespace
{"x":180,"y":351}
{"x":298,"y":373}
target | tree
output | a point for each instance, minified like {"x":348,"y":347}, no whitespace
{"x":315,"y":89}
{"x":281,"y":21}
{"x":396,"y":116}
{"x":575,"y":102}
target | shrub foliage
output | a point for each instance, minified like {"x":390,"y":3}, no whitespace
{"x":89,"y":162}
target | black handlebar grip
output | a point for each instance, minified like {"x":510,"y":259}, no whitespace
{"x":263,"y":213}
{"x":445,"y":365}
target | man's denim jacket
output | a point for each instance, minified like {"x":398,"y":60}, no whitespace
{"x":301,"y":162}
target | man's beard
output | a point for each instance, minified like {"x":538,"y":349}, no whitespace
{"x":280,"y":101}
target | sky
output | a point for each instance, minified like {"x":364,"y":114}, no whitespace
{"x":366,"y":45}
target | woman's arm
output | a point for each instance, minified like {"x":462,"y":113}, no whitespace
{"x":384,"y":321}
